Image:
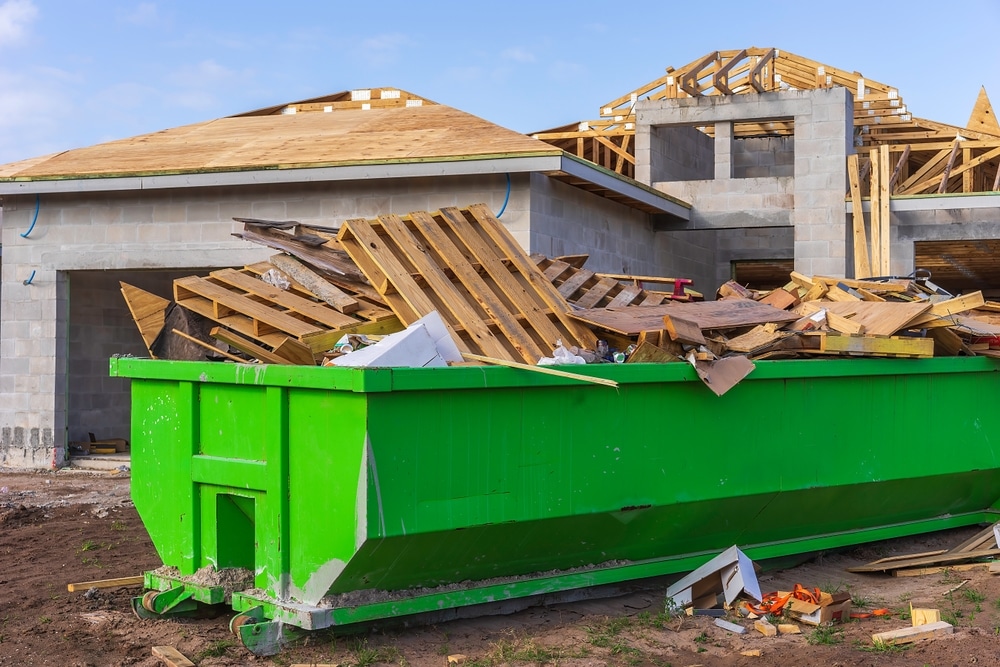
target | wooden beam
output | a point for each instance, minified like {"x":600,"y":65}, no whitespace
{"x":862,"y":265}
{"x":545,"y":370}
{"x":899,"y":168}
{"x":884,"y":215}
{"x":105,"y":583}
{"x":875,"y":195}
{"x":947,"y":169}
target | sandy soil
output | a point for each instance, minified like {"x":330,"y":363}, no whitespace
{"x":58,"y":528}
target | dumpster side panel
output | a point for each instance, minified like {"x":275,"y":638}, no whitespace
{"x":512,"y":481}
{"x":164,"y":440}
{"x":329,"y":512}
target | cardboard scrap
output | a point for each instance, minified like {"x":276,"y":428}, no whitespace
{"x":722,"y":375}
{"x":423,"y":344}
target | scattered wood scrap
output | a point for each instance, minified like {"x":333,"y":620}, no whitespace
{"x":105,"y":583}
{"x":171,"y":656}
{"x":912,"y":634}
{"x":981,"y":546}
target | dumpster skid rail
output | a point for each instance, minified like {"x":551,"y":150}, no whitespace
{"x":332,"y":481}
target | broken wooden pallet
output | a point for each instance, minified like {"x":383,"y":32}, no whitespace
{"x":464,"y":264}
{"x":253,"y":312}
{"x":588,"y":289}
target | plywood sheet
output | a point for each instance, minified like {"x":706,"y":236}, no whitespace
{"x":880,"y":318}
{"x":631,"y":320}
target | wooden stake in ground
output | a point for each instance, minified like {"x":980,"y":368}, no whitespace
{"x":104,"y":583}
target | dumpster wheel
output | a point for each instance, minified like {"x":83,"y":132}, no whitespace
{"x":261,"y":636}
{"x":239,"y":621}
{"x":148,"y":599}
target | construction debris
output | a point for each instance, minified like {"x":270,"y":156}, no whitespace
{"x":912,"y":634}
{"x":332,"y":288}
{"x":983,"y":545}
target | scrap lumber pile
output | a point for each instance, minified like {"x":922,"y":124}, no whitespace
{"x":375,"y":277}
{"x":499,"y":305}
{"x":979,"y":551}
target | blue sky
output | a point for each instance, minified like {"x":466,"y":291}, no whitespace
{"x":79,"y":72}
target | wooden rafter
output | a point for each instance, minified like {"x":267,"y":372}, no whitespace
{"x":880,"y":118}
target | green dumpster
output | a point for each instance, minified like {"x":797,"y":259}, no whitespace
{"x":352,"y":495}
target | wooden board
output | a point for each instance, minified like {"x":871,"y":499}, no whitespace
{"x":866,"y":345}
{"x":105,"y":583}
{"x":148,"y":310}
{"x":881,"y":318}
{"x":494,"y":299}
{"x":587,"y":289}
{"x":171,"y":656}
{"x":729,"y":314}
{"x":912,"y":634}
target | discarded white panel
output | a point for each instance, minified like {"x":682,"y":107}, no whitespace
{"x":366,"y":106}
{"x":414,"y":103}
{"x":730,"y":573}
{"x":424,"y":344}
{"x":390,"y":95}
{"x":360,"y":95}
{"x":328,"y":109}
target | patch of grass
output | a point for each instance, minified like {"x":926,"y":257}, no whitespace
{"x":880,"y":647}
{"x":609,"y":635}
{"x":118,"y":525}
{"x":88,"y":545}
{"x":509,"y":651}
{"x":825,"y":635}
{"x":365,"y":655}
{"x":44,"y":619}
{"x":972,"y":595}
{"x":216,"y":649}
{"x":646,"y":620}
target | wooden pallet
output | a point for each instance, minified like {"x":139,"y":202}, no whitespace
{"x":252,"y":310}
{"x":586,"y":289}
{"x":464,"y":264}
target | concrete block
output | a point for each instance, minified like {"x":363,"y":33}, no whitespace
{"x":268,"y":210}
{"x":169,"y":212}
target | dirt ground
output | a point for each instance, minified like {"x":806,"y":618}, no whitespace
{"x":66,"y":527}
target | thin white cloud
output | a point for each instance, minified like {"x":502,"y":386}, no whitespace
{"x":201,"y":75}
{"x":146,"y":13}
{"x":563,"y":70}
{"x":384,"y":49}
{"x":517,"y":54}
{"x":34,"y":109}
{"x":15,"y":15}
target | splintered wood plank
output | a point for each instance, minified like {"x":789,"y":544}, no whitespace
{"x":282,"y":300}
{"x":295,"y":352}
{"x":550,"y":297}
{"x":315,"y":283}
{"x":105,"y":583}
{"x":884,"y":214}
{"x":456,"y":307}
{"x":683,"y":331}
{"x":878,"y":318}
{"x":759,"y":337}
{"x":322,"y":256}
{"x":371,"y":305}
{"x":730,"y":314}
{"x":224,"y":302}
{"x":148,"y":310}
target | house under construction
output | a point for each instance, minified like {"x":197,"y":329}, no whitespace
{"x":741,"y":164}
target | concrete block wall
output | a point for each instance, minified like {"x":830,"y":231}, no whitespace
{"x":567,"y":221}
{"x":100,"y":327}
{"x":823,"y":137}
{"x":680,"y":154}
{"x":706,"y":255}
{"x":942,"y":224}
{"x":748,"y":202}
{"x":157,"y":230}
{"x":763,"y":157}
